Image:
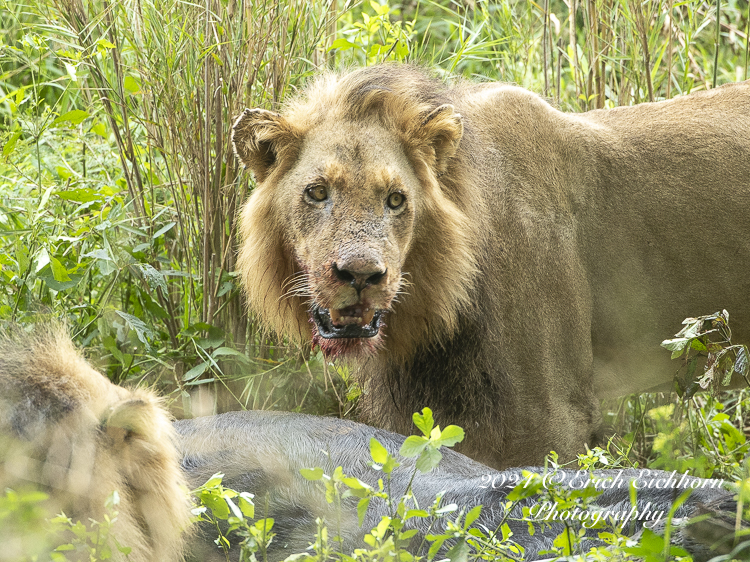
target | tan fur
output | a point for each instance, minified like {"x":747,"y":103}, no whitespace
{"x":537,"y":263}
{"x":70,"y":432}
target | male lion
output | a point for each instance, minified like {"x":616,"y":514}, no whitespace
{"x":474,"y":250}
{"x":67,"y":430}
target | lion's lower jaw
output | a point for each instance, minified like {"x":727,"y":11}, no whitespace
{"x":347,"y":348}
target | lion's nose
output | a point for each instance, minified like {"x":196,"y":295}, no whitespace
{"x":359,"y":275}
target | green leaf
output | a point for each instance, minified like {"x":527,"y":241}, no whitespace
{"x":215,"y":503}
{"x":76,"y":116}
{"x":436,"y":546}
{"x":424,"y":421}
{"x":698,"y":345}
{"x":58,"y":270}
{"x":63,"y":172}
{"x":143,"y":332}
{"x":100,"y":129}
{"x":311,"y":473}
{"x":246,"y":504}
{"x":48,"y":277}
{"x":380,"y":9}
{"x":378,"y":453}
{"x":214,"y":481}
{"x":196,"y":371}
{"x":429,"y":459}
{"x":413,"y":446}
{"x":342,"y":44}
{"x":131,"y":84}
{"x":221,"y":351}
{"x":389,"y":466}
{"x":450,"y":436}
{"x":11,"y":144}
{"x":362,"y":510}
{"x":105,"y":44}
{"x":163,"y":230}
{"x":83,"y":195}
{"x":22,"y":255}
{"x":265,"y":525}
{"x":459,"y":553}
{"x":472,"y":516}
{"x":153,"y":277}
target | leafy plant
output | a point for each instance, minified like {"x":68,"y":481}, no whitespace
{"x":707,"y":337}
{"x":30,"y":534}
{"x":376,"y":37}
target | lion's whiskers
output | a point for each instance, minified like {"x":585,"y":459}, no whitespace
{"x":297,"y":285}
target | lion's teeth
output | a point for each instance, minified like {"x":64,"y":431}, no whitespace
{"x":335,"y":316}
{"x":351,"y":315}
{"x":367,"y":316}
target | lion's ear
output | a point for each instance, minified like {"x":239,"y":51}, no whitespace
{"x":442,"y":130}
{"x":259,"y":137}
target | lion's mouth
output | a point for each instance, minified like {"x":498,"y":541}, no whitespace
{"x":355,"y":321}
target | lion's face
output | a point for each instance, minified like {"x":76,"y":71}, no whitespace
{"x":350,"y":239}
{"x":349,"y":202}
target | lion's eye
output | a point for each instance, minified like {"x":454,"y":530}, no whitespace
{"x":317,"y":192}
{"x":396,"y":199}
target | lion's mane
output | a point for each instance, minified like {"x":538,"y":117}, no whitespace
{"x":448,"y":231}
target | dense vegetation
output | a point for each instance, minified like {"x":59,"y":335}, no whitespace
{"x":119,"y":191}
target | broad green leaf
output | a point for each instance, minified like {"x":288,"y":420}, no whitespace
{"x":143,"y":332}
{"x":196,"y":371}
{"x":82,"y":195}
{"x":311,"y":473}
{"x":436,"y":546}
{"x":265,"y":525}
{"x":131,"y":84}
{"x":63,"y":172}
{"x":214,"y":481}
{"x":216,"y":504}
{"x":413,"y":446}
{"x":450,"y":436}
{"x":75,"y":116}
{"x":22,"y":255}
{"x":58,"y":270}
{"x":429,"y":459}
{"x":378,"y":453}
{"x":223,"y":351}
{"x":424,"y":421}
{"x":153,"y":277}
{"x":459,"y":553}
{"x":342,"y":44}
{"x":46,"y":275}
{"x":11,"y":144}
{"x":100,"y":129}
{"x":472,"y":516}
{"x":389,"y":466}
{"x":246,"y":504}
